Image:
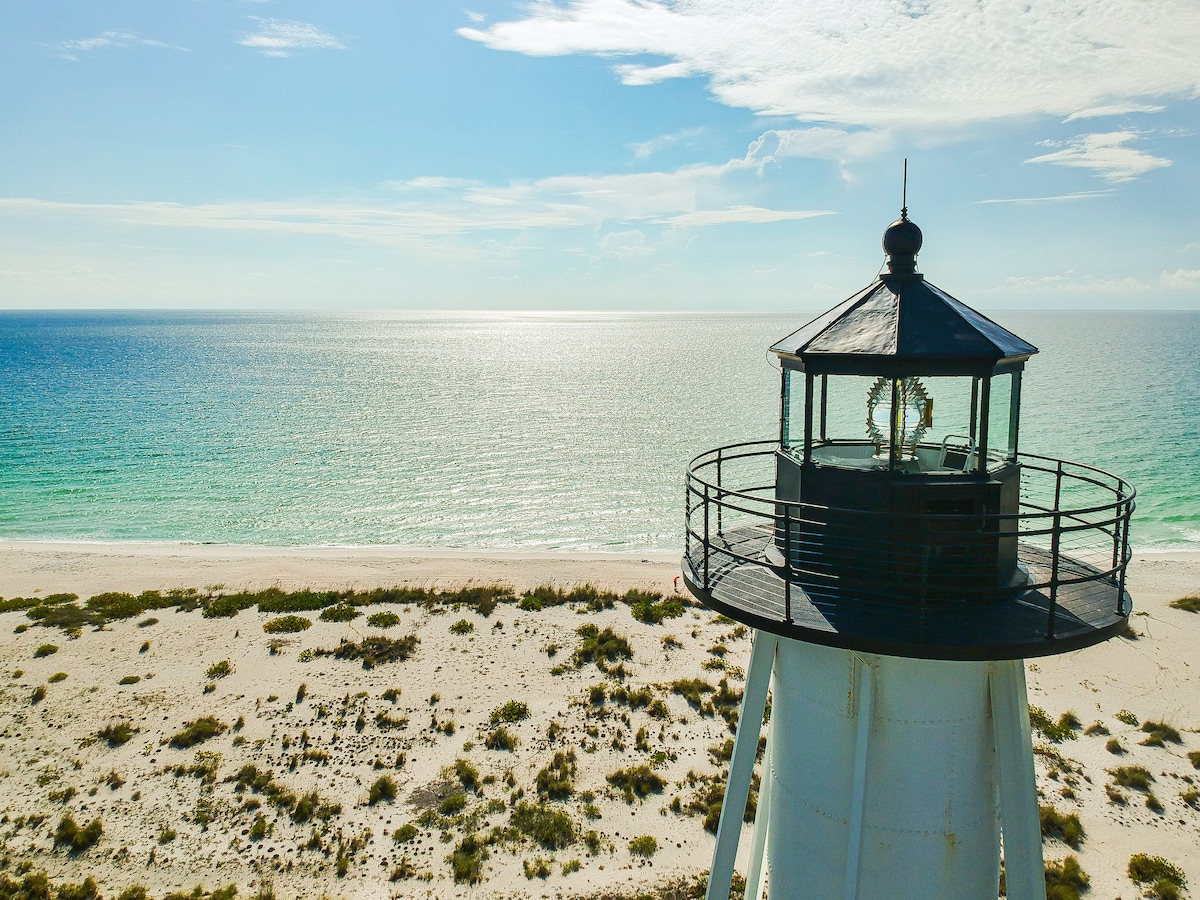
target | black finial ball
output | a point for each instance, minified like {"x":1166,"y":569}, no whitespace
{"x":902,"y":239}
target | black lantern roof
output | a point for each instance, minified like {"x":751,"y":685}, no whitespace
{"x":902,"y":325}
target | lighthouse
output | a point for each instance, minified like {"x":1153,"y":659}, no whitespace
{"x":898,"y":557}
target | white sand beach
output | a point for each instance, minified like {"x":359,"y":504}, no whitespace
{"x":171,"y":820}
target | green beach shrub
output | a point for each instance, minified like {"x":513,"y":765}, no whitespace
{"x":287,"y":625}
{"x":636,"y":782}
{"x":1160,"y":733}
{"x":117,"y":734}
{"x":77,"y":839}
{"x":1064,"y":826}
{"x":384,"y":619}
{"x":341,"y":612}
{"x":462,"y":626}
{"x":466,"y":862}
{"x":645,"y":846}
{"x":1127,"y":717}
{"x":1136,"y":777}
{"x":1065,"y":880}
{"x":1190,"y":603}
{"x":45,"y":650}
{"x":220,"y":669}
{"x":197,"y":731}
{"x":405,"y":833}
{"x":130,"y":679}
{"x":382,"y":791}
{"x":536,"y":867}
{"x":500,"y":739}
{"x":1164,"y":880}
{"x":546,"y":826}
{"x":510,"y":712}
{"x":600,"y":647}
{"x":38,"y":695}
{"x":374,"y":650}
{"x":692,"y":690}
{"x":557,"y":780}
{"x":57,"y":677}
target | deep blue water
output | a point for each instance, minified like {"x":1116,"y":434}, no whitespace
{"x":491,"y":431}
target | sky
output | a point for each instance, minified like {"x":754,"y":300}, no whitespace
{"x":736,"y":155}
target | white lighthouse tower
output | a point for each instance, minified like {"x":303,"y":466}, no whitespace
{"x":898,"y":559}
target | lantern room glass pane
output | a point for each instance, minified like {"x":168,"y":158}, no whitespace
{"x":1002,"y":427}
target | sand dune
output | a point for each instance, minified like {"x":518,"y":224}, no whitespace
{"x":171,"y":819}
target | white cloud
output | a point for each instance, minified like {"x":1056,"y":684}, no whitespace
{"x":819,"y":143}
{"x":277,"y":37}
{"x":748,"y":215}
{"x":1104,"y":153}
{"x":624,"y":244}
{"x":882,"y":64}
{"x":1070,"y":283}
{"x":111,"y":40}
{"x":1061,"y":198}
{"x":1181,"y":278}
{"x":645,"y":149}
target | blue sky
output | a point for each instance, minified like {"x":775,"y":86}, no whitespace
{"x":596,"y":154}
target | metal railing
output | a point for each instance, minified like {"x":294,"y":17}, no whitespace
{"x":1071,"y":527}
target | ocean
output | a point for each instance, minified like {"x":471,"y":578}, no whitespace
{"x":492,"y":431}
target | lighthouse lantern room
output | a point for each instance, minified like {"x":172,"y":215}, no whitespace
{"x":899,"y":557}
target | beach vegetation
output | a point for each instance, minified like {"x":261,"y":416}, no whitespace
{"x":636,"y":782}
{"x":1136,"y":777}
{"x":601,"y":647}
{"x":57,"y":677}
{"x":261,"y":828}
{"x":112,"y":606}
{"x":1190,"y":603}
{"x":453,"y":803}
{"x":166,"y":834}
{"x":692,"y":690}
{"x":197,"y":731}
{"x":1062,"y":730}
{"x":1191,"y":797}
{"x":536,"y":867}
{"x":651,"y":608}
{"x":147,"y":622}
{"x":45,"y":650}
{"x":548,"y":827}
{"x":385,"y":619}
{"x":510,"y":712}
{"x":557,"y":780}
{"x":645,"y":846}
{"x":570,"y":866}
{"x":405,"y":833}
{"x":145,"y":646}
{"x":62,"y":795}
{"x":77,"y":840}
{"x":466,"y":774}
{"x":220,"y":669}
{"x":21,"y":628}
{"x":1194,"y":758}
{"x":38,"y":695}
{"x":117,"y":734}
{"x":373,"y":650}
{"x":1112,"y":745}
{"x":500,"y":739}
{"x":1065,"y":880}
{"x":386,"y":722}
{"x":1127,"y":717}
{"x":391,"y":695}
{"x":1064,"y":826}
{"x":130,"y":679}
{"x":462,"y":626}
{"x":466,"y":862}
{"x":1153,"y":803}
{"x":382,"y":791}
{"x":1096,"y":728}
{"x":634,"y":698}
{"x":1156,"y":876}
{"x":1160,"y":733}
{"x":340,"y":612}
{"x":287,"y":625}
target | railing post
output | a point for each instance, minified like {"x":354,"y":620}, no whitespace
{"x":1055,"y":539}
{"x":706,"y":537}
{"x":720,"y":505}
{"x":787,"y":563}
{"x":1123,"y":528}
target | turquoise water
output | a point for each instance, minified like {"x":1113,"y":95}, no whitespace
{"x":490,"y":431}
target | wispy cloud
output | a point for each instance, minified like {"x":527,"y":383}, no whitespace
{"x":646,"y":149}
{"x":110,"y":40}
{"x":880,"y":64}
{"x":1071,"y":283}
{"x":426,"y":209}
{"x":277,"y":37}
{"x":1106,"y":154}
{"x":1181,"y":279}
{"x":1061,"y":198}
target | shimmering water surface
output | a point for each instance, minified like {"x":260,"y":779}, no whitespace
{"x":491,"y":431}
